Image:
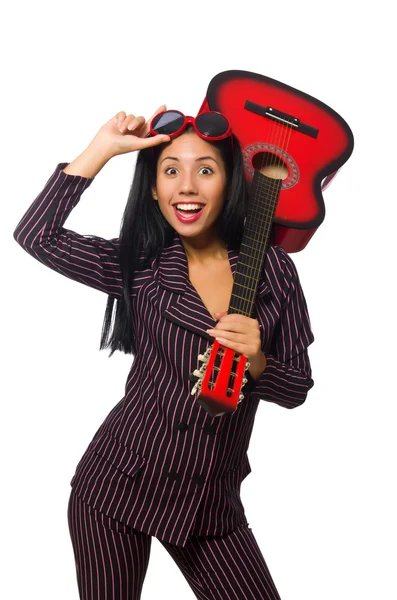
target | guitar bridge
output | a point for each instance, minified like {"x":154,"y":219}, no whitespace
{"x":281,"y":117}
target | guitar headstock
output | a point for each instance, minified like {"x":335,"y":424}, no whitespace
{"x":220,"y":379}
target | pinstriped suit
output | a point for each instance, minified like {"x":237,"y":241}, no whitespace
{"x":159,"y":463}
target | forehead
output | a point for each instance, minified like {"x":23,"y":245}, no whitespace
{"x":189,"y":146}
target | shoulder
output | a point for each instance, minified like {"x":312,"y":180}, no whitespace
{"x":279,"y":271}
{"x":280,"y":256}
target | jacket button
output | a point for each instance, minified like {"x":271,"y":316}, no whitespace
{"x":199,"y":479}
{"x":182,"y":426}
{"x":210,"y":428}
{"x":173,"y":476}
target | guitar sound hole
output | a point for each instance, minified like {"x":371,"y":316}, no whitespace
{"x":271,"y":165}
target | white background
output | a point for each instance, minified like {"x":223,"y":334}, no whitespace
{"x":320,"y":498}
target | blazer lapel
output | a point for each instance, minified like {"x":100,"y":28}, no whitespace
{"x":186,"y":308}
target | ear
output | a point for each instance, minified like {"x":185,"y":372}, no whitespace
{"x":154,"y":193}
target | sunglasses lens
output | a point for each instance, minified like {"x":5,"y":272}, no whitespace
{"x":212,"y":124}
{"x":169,"y":122}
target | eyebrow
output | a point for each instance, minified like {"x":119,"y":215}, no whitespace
{"x":197,"y":159}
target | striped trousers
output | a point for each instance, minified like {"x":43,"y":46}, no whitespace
{"x":112,"y":558}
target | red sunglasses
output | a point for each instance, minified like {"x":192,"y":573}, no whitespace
{"x":210,"y":125}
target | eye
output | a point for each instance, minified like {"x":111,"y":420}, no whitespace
{"x":171,"y":169}
{"x":208,"y":169}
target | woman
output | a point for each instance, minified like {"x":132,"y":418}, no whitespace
{"x":160,"y":465}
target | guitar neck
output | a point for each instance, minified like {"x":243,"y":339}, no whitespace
{"x":264,"y":195}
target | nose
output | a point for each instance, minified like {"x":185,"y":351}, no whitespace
{"x":187,"y":184}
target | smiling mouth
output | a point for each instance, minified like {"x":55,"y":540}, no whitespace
{"x":188,"y":216}
{"x":189,"y":211}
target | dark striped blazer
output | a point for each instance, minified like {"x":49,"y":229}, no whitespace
{"x":159,"y":462}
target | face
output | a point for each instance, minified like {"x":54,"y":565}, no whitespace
{"x":190,"y":171}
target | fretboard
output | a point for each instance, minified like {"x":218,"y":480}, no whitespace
{"x":264,"y":195}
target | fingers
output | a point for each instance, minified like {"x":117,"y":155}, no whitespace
{"x":119,"y":117}
{"x":139,"y":125}
{"x":245,"y":332}
{"x":154,"y":141}
{"x":132,"y":123}
{"x":129,"y":123}
{"x":140,"y":129}
{"x":236,"y":323}
{"x":219,"y":315}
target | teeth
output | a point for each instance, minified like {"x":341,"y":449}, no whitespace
{"x":188,"y":206}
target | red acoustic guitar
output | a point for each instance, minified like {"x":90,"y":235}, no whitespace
{"x":293,"y":146}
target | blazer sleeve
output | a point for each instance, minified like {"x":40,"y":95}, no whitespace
{"x":287,"y":379}
{"x":87,"y":259}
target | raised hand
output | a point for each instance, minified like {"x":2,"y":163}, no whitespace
{"x":126,"y":133}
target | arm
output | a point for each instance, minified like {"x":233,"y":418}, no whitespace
{"x":286,"y":378}
{"x":90,"y":260}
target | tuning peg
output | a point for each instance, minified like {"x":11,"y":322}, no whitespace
{"x":196,"y":388}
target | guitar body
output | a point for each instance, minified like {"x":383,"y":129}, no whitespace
{"x":290,"y":128}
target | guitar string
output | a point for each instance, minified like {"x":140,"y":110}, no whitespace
{"x":281,"y":141}
{"x":270,"y":186}
{"x":258,"y":187}
{"x":277,"y":132}
{"x":257,"y":257}
{"x":276,"y":135}
{"x":284,"y":132}
{"x":269,"y":159}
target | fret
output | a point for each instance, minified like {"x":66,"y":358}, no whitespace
{"x":244,"y":286}
{"x":259,"y":220}
{"x":250,"y":266}
{"x":259,"y":235}
{"x":256,"y":225}
{"x":270,"y":198}
{"x":258,"y":248}
{"x":260,"y":217}
{"x":238,"y":311}
{"x":270,"y":193}
{"x":256,"y":256}
{"x":253,"y":248}
{"x":250,"y":238}
{"x":241,"y":297}
{"x":263,"y":190}
{"x":264,"y":180}
{"x":265,"y":212}
{"x":269,"y":182}
{"x":238,"y":274}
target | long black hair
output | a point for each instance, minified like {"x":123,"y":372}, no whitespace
{"x":144,"y":231}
